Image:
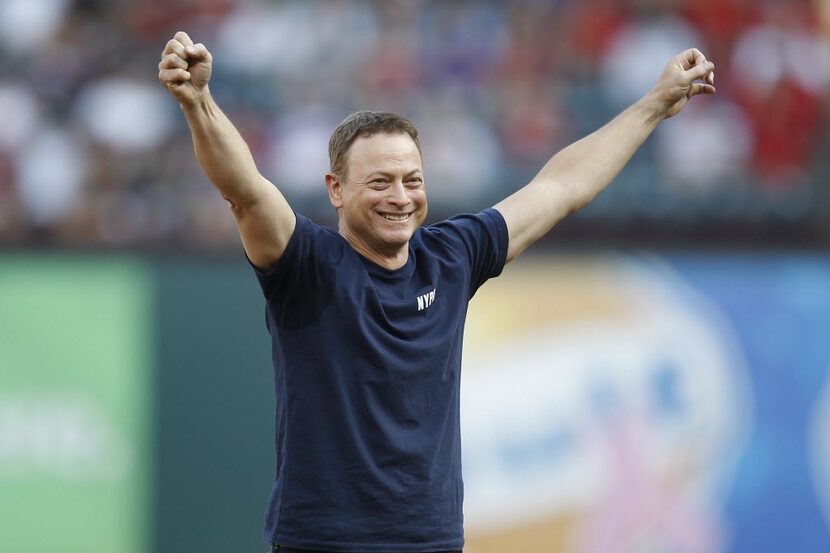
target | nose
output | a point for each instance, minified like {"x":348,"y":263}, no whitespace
{"x":398,"y":195}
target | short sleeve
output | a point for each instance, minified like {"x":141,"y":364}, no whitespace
{"x":481,"y":238}
{"x":300,"y":266}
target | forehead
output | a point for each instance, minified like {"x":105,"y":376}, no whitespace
{"x":383,"y":152}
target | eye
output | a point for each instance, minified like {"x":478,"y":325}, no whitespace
{"x":414,"y":182}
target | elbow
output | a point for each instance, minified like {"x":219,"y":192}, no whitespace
{"x":240,"y":203}
{"x":578,"y":203}
{"x":234,"y":204}
{"x":572,"y":200}
{"x":578,"y":196}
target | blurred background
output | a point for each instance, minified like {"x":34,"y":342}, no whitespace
{"x":653,"y":377}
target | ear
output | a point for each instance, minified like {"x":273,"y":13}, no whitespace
{"x":335,"y":189}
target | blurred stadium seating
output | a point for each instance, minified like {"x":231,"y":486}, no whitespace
{"x":94,"y":154}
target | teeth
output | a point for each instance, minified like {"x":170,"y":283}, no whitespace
{"x":395,"y":217}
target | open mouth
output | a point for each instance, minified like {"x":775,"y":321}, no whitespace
{"x":396,"y":217}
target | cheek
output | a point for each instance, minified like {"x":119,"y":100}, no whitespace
{"x":366,"y":202}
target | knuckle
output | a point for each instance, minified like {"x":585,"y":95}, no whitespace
{"x":167,"y":62}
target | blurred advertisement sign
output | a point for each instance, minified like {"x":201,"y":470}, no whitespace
{"x":75,"y":405}
{"x":616,"y":404}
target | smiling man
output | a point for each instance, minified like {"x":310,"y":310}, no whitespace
{"x":367,"y":323}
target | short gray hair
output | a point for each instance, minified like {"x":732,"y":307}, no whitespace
{"x":365,"y":123}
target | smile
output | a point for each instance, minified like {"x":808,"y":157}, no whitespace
{"x":398,"y":217}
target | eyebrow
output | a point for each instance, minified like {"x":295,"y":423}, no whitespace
{"x":390,"y":175}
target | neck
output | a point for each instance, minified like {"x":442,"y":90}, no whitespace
{"x":390,"y":260}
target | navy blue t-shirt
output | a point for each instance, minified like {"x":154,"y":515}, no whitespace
{"x":367,"y":366}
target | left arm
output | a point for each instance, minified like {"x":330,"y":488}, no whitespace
{"x":574,"y":176}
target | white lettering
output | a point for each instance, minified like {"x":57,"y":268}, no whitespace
{"x":426,"y":300}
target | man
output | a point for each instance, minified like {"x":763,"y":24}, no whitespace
{"x":367,"y":322}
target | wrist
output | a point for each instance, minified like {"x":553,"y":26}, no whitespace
{"x":651,"y":109}
{"x":198,"y":103}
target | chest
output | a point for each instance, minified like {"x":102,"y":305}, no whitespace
{"x":416,"y":316}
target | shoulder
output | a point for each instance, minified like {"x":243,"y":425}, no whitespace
{"x":465,"y":227}
{"x":474,"y":242}
{"x":312,"y":238}
{"x":310,"y":244}
{"x":306,"y":226}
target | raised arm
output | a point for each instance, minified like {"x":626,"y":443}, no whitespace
{"x":575,"y":175}
{"x":263,"y":216}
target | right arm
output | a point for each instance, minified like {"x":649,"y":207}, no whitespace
{"x":263,"y":216}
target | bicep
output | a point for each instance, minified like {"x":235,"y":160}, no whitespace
{"x":531,"y":212}
{"x":266,"y":223}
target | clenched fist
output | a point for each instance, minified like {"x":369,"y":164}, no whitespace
{"x":185,"y":68}
{"x":687,"y":74}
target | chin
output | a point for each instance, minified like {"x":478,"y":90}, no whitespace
{"x":396,"y":238}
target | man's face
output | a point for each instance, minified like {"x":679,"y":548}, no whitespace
{"x":382,"y":200}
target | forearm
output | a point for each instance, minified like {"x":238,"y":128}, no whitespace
{"x":222,"y":152}
{"x":586,"y":167}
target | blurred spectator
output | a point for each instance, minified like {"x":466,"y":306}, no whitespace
{"x":300,"y":151}
{"x":823,"y":8}
{"x":639,"y":52}
{"x":21,"y":116}
{"x":26,"y":23}
{"x":784,"y":93}
{"x":127,"y":116}
{"x":709,"y":148}
{"x":532,"y":124}
{"x":720,"y":22}
{"x":588,"y":31}
{"x":461,"y":153}
{"x":52,"y":169}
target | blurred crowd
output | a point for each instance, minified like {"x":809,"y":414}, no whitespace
{"x":94,"y":153}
